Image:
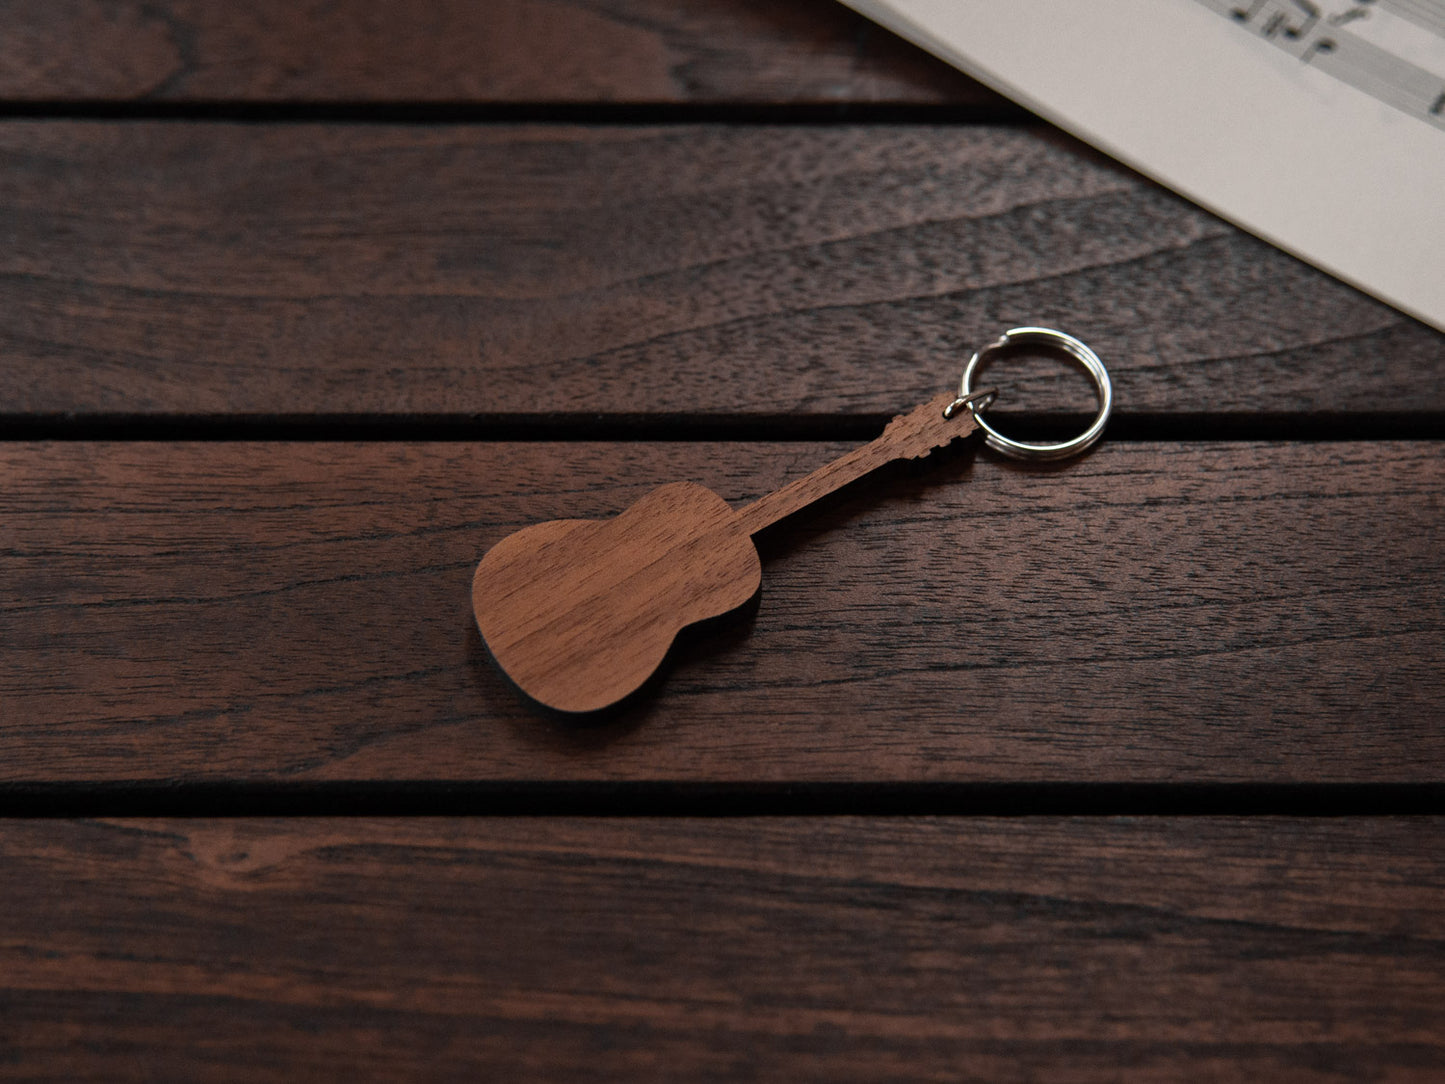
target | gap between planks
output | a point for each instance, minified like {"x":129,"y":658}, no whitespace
{"x":741,"y":428}
{"x":424,"y":114}
{"x":525,"y":798}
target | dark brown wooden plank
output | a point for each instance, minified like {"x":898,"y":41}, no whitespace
{"x":702,"y":52}
{"x":836,"y":949}
{"x":692,"y":270}
{"x":1214,"y":612}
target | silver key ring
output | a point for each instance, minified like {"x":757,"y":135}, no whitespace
{"x":1077,"y":350}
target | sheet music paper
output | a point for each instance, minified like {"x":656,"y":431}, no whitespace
{"x":1317,"y":124}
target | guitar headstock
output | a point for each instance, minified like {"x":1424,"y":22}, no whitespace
{"x":914,"y":434}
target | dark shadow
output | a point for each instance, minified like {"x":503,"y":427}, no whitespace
{"x":585,"y":732}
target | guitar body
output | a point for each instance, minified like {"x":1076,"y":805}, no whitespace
{"x":580,"y":613}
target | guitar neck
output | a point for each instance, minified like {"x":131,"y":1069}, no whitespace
{"x":911,"y":435}
{"x":798,"y":494}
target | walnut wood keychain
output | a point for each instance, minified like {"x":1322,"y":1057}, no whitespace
{"x":580,"y":613}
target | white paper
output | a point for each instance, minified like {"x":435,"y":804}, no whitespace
{"x":1319,"y":126}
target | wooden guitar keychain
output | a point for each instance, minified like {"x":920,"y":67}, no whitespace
{"x":580,"y":613}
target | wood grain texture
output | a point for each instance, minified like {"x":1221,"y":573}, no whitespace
{"x":1171,"y":612}
{"x":279,"y":613}
{"x":702,"y":52}
{"x":838,"y":949}
{"x":699,"y":271}
{"x":580,"y":613}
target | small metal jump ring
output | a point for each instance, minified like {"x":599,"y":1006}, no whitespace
{"x":1077,"y":350}
{"x":975,"y":401}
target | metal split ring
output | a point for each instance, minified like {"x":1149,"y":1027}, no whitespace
{"x":1040,"y":336}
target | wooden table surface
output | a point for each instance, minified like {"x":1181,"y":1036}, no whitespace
{"x":1125,"y":767}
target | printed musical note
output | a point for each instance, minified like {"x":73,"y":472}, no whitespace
{"x":1312,"y":16}
{"x":1343,"y":17}
{"x":1346,"y":39}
